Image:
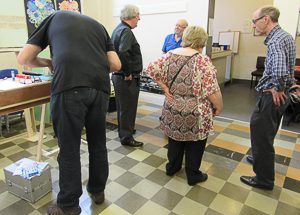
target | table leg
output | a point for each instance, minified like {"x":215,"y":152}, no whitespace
{"x":30,"y":122}
{"x":41,"y":133}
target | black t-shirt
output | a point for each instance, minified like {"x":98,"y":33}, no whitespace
{"x":79,"y":46}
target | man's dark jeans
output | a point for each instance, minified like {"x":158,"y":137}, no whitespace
{"x":71,"y":111}
{"x":264,"y":124}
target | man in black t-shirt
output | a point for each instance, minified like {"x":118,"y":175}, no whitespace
{"x":82,"y":55}
{"x":126,"y":82}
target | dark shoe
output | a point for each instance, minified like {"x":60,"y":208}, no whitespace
{"x":252,"y":181}
{"x":171,"y":173}
{"x":132,"y":143}
{"x":249,"y":158}
{"x":98,"y":198}
{"x":55,"y":210}
{"x":201,"y":178}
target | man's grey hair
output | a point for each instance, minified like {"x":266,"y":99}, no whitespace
{"x":271,"y":11}
{"x":129,"y":12}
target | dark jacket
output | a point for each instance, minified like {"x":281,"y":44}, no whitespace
{"x":128,"y":50}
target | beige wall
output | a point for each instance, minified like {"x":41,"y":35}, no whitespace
{"x":229,"y":14}
{"x":235,"y":15}
{"x":245,"y":61}
{"x":298,"y":47}
{"x":101,"y":10}
{"x":8,"y":61}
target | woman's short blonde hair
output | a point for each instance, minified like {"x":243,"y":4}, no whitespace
{"x":194,"y":37}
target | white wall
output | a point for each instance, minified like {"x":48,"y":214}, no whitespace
{"x":158,"y":19}
{"x":288,"y":19}
{"x":235,"y":15}
{"x":289,"y":13}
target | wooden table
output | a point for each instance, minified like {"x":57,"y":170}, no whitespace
{"x":25,"y":98}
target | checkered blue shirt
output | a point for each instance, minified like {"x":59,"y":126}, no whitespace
{"x":280,"y":61}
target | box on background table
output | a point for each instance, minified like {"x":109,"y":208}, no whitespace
{"x":29,"y":189}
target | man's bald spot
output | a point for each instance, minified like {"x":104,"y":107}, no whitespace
{"x":182,"y":22}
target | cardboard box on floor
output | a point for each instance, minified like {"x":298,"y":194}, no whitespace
{"x":29,"y":189}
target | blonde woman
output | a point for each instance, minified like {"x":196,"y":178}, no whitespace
{"x":193,"y":97}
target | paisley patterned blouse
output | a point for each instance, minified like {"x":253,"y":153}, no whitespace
{"x":188,"y":117}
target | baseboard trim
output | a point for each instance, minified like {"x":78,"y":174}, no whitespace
{"x":240,"y":81}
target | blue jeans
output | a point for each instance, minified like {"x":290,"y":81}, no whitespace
{"x":71,"y":111}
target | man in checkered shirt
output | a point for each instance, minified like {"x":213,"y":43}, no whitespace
{"x":277,"y":78}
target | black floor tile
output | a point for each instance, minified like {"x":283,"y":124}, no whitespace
{"x":18,"y":156}
{"x":247,"y":210}
{"x":237,"y":133}
{"x":20,"y":207}
{"x":224,"y":152}
{"x":235,"y":192}
{"x":131,"y":202}
{"x":197,"y":193}
{"x":292,"y":184}
{"x":6,"y":145}
{"x":283,"y":208}
{"x":166,"y":198}
{"x":282,"y":160}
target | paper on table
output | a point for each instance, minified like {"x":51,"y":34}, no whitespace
{"x":9,"y":84}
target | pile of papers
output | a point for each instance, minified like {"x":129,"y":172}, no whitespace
{"x":9,"y":84}
{"x":28,"y":168}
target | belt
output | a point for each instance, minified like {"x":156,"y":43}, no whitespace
{"x":118,"y":73}
{"x":135,"y":76}
{"x":270,"y":91}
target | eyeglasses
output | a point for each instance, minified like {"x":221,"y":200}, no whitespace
{"x":180,"y":26}
{"x":254,"y":21}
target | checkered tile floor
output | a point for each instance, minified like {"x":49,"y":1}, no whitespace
{"x":138,"y":184}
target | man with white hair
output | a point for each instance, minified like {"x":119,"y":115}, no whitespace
{"x":126,"y":82}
